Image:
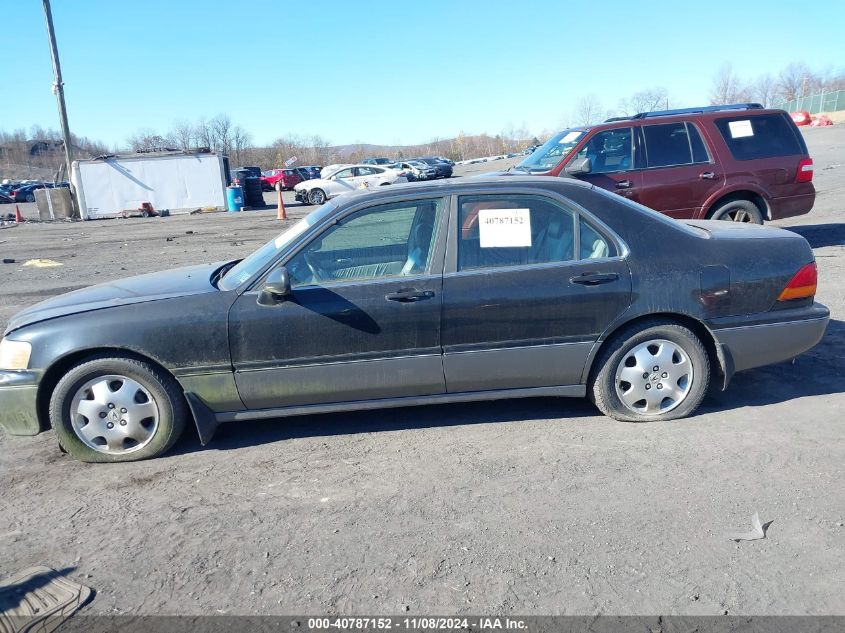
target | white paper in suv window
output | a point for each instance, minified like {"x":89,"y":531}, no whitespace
{"x":740,"y":128}
{"x":504,"y":228}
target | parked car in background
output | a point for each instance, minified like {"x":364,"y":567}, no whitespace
{"x":288,"y":178}
{"x":251,"y":172}
{"x":736,"y":162}
{"x":444,"y":170}
{"x":417,"y":170}
{"x":26,"y":193}
{"x":308,"y":172}
{"x":429,"y":293}
{"x":377,"y":161}
{"x":345,"y":179}
{"x":330,"y":169}
{"x":4,"y":199}
{"x":443,"y":159}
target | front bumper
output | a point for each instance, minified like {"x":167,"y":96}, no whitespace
{"x":18,"y":397}
{"x":771,"y":338}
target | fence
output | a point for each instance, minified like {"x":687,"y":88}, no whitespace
{"x":823,"y":102}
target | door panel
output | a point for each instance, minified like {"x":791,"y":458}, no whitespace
{"x":338,"y":343}
{"x":530,"y":327}
{"x":521,"y":313}
{"x":363,"y":317}
{"x":614,"y":162}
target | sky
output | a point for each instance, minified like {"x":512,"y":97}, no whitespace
{"x":385,"y":72}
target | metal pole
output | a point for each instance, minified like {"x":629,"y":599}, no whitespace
{"x":59,"y":91}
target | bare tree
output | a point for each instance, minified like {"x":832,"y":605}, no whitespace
{"x":588,"y":110}
{"x":763,"y":90}
{"x":792,"y":82}
{"x":147,"y":139}
{"x":646,"y":100}
{"x":728,"y":88}
{"x":183,"y":134}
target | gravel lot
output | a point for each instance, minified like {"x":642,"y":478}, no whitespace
{"x":523,"y":507}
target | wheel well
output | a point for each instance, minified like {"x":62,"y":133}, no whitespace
{"x":717,"y":361}
{"x":58,"y":369}
{"x":758,"y":200}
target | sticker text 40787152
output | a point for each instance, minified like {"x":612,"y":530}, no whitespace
{"x":504,"y":228}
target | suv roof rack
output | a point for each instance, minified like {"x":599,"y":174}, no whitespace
{"x":699,"y":110}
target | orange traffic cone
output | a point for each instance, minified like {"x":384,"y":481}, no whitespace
{"x":18,"y":215}
{"x":282,"y":214}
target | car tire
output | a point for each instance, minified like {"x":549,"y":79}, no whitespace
{"x":30,"y":197}
{"x":737,"y":211}
{"x":143,"y":405}
{"x":317,"y":196}
{"x":644,"y":362}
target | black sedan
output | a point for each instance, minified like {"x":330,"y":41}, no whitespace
{"x":444,"y":169}
{"x":26,"y":193}
{"x":414,"y":294}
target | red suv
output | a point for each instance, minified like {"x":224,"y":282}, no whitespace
{"x":735,"y":162}
{"x":288,"y":177}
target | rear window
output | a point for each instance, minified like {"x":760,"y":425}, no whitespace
{"x":763,"y":136}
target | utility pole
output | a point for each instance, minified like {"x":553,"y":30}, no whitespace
{"x":59,"y":90}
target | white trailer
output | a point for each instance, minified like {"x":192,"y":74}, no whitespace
{"x":176,"y":181}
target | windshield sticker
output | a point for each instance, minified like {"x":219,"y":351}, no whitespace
{"x":740,"y":128}
{"x":504,"y":228}
{"x":569,"y":138}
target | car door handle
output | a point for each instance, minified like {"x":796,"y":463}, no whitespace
{"x":594,"y":279}
{"x":707,"y":175}
{"x":623,"y":184}
{"x":409,"y":295}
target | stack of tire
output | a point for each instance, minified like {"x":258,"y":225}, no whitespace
{"x":253,"y":196}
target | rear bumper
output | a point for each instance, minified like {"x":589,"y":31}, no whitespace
{"x":18,"y":397}
{"x":790,"y":206}
{"x":771,"y":338}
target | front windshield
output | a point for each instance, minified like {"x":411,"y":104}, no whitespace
{"x":249,"y":266}
{"x":549,"y":154}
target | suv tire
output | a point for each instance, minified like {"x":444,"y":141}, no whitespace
{"x":737,"y":211}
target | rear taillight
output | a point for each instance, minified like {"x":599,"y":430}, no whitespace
{"x":805,"y":171}
{"x":802,"y":285}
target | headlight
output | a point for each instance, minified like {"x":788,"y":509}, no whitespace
{"x":14,"y":354}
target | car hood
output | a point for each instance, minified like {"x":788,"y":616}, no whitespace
{"x":167,"y":284}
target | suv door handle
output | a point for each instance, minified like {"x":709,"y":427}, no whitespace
{"x":409,"y":295}
{"x":594,"y":279}
{"x":707,"y":175}
{"x":623,"y":184}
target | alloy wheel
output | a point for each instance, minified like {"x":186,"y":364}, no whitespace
{"x":114,"y":414}
{"x":654,"y":377}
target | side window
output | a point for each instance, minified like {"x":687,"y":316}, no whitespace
{"x":763,"y":136}
{"x":513,"y":230}
{"x":593,"y":244}
{"x":366,"y":171}
{"x":699,"y":149}
{"x":609,"y":151}
{"x":667,"y":145}
{"x":389,"y":240}
{"x":345,"y":173}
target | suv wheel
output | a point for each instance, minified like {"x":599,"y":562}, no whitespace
{"x":737,"y":211}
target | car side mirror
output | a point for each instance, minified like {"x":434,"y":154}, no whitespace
{"x":276,"y":288}
{"x":579,"y":167}
{"x":333,"y":178}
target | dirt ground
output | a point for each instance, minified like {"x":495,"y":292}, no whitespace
{"x":518,"y":507}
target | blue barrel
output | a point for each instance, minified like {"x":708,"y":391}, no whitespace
{"x":234,"y":198}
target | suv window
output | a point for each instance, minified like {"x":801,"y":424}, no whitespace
{"x":513,"y":230}
{"x":667,"y":144}
{"x":609,"y":151}
{"x":699,"y":149}
{"x":761,"y":136}
{"x":388,"y":240}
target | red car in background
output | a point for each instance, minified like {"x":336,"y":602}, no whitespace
{"x":288,"y":177}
